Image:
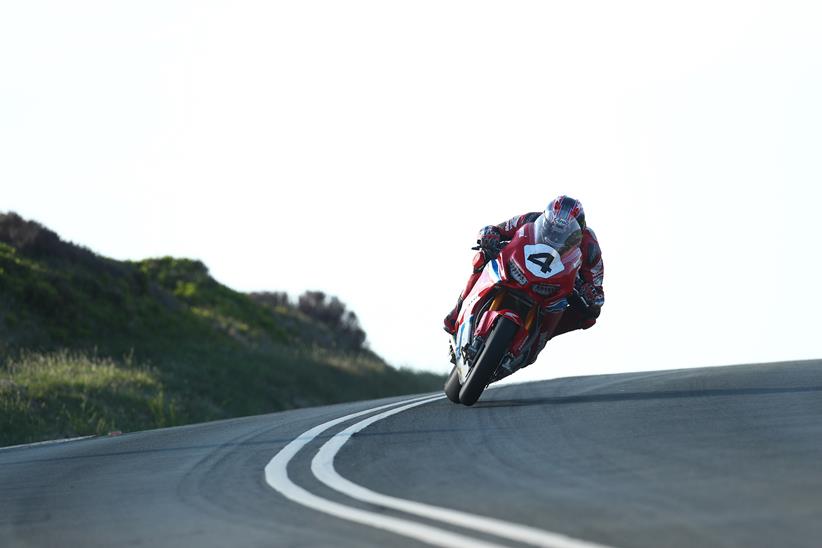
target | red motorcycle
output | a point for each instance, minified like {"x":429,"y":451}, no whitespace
{"x":514,"y":306}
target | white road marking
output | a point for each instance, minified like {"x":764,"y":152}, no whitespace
{"x":323,"y":468}
{"x":276,"y":475}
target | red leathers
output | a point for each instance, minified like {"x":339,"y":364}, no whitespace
{"x":591,"y":273}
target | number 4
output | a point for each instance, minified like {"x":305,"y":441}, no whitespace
{"x":542,"y":260}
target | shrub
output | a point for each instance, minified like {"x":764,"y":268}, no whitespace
{"x":332,"y":312}
{"x":271,"y":299}
{"x":36,"y":240}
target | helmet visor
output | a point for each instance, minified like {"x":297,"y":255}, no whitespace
{"x":561,"y":234}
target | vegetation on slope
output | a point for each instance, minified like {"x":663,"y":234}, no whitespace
{"x":89,"y":344}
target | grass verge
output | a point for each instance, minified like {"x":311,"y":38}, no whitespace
{"x":66,"y":394}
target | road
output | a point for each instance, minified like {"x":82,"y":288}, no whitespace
{"x":725,"y":456}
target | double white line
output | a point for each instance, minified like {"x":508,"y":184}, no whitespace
{"x":322,"y":466}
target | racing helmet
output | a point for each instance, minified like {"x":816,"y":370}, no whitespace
{"x":565,"y":208}
{"x":562,"y":223}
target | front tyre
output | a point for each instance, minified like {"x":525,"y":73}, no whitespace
{"x":495,"y":348}
{"x":452,"y":386}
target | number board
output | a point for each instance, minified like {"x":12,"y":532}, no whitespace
{"x":542,"y":260}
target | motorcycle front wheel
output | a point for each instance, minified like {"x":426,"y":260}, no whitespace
{"x":498,"y":343}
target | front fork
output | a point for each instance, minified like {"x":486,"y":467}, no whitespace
{"x":547,"y":323}
{"x":494,"y":311}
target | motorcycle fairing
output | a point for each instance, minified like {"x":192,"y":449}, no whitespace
{"x":493,"y":274}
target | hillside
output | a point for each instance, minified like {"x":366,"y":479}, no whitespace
{"x":89,"y":344}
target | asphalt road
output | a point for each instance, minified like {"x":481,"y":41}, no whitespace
{"x":726,"y":456}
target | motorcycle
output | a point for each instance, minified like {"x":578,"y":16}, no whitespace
{"x":514,"y":306}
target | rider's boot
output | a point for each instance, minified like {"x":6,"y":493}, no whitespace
{"x":450,"y":321}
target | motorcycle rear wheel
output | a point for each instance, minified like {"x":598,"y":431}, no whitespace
{"x":495,"y":348}
{"x":452,"y":386}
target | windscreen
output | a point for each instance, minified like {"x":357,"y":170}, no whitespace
{"x":561,"y":234}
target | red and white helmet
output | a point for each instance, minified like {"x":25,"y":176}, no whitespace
{"x":564,"y":208}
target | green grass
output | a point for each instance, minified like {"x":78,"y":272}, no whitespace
{"x":196,"y":349}
{"x":65,"y":394}
{"x":48,"y":395}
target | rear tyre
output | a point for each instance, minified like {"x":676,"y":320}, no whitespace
{"x":452,"y":386}
{"x":498,"y":343}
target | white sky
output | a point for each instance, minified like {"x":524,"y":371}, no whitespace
{"x":357,"y":146}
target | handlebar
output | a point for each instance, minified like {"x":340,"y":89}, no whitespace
{"x":576,"y":295}
{"x":501,"y":245}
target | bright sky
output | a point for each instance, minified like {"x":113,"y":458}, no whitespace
{"x":357,"y":146}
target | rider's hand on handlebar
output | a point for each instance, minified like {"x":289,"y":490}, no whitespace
{"x":489,"y":240}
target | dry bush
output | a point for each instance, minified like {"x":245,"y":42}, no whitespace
{"x":332,"y":312}
{"x":35,"y":240}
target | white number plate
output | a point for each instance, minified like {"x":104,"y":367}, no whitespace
{"x":543,"y":261}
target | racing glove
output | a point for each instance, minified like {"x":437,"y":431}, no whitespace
{"x":489,"y":240}
{"x":594,"y":296}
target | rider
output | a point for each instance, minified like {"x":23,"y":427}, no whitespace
{"x":589,"y":280}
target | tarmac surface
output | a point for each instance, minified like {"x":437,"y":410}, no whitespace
{"x":724,"y":456}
